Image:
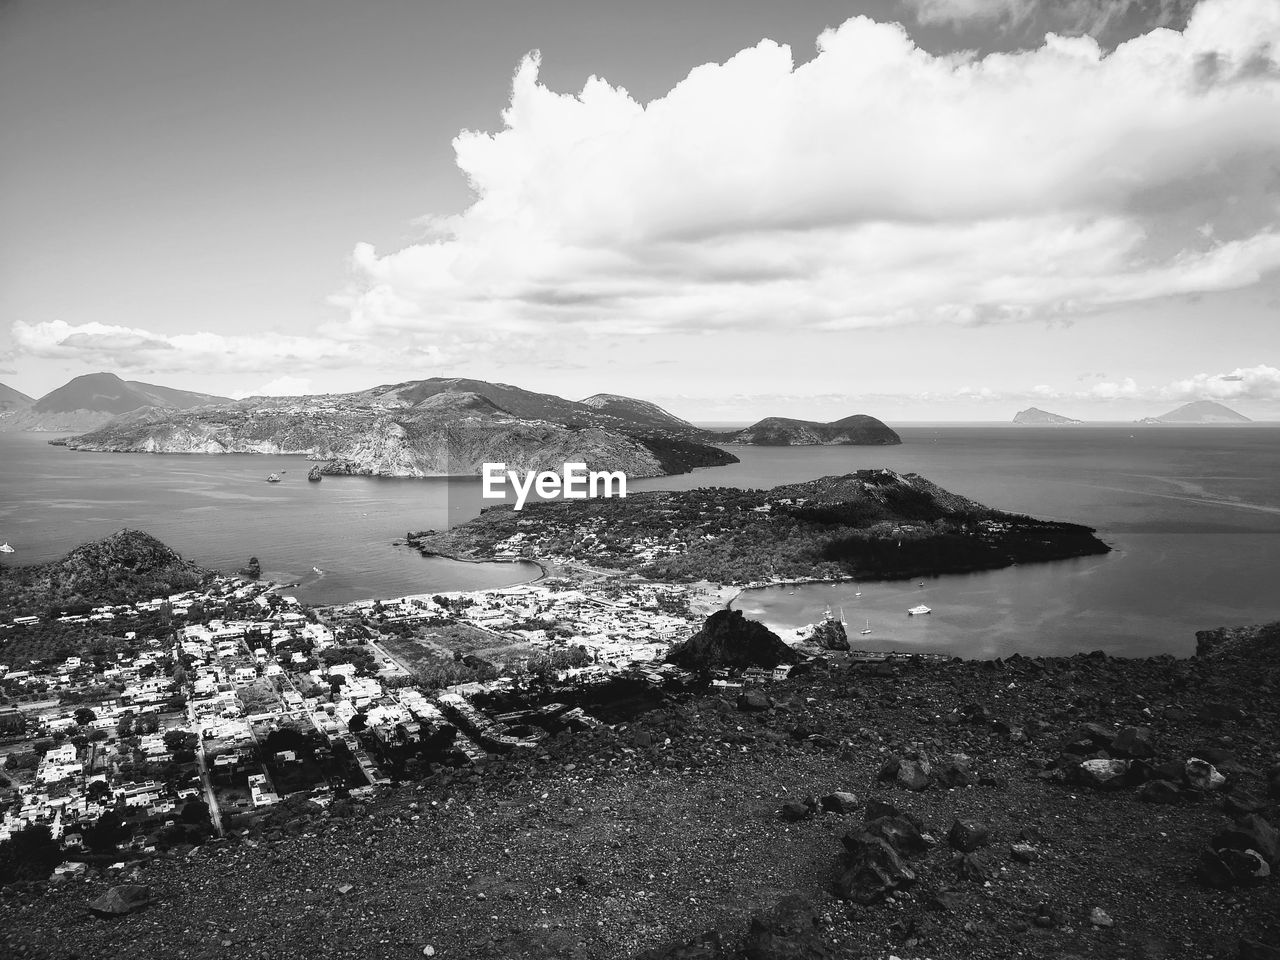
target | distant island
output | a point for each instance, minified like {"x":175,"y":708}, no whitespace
{"x":1199,"y":411}
{"x":90,"y":401}
{"x":873,"y":524}
{"x":858,"y":429}
{"x":425,"y":428}
{"x":1034,"y":415}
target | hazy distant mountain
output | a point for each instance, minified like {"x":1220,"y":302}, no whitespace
{"x":89,"y":401}
{"x":420,"y":428}
{"x":107,"y":393}
{"x":1199,"y":411}
{"x":11,"y":399}
{"x":783,"y":432}
{"x":1036,"y":415}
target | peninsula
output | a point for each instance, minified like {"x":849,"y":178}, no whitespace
{"x":873,"y":524}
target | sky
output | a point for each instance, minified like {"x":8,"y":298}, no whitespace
{"x":916,"y":209}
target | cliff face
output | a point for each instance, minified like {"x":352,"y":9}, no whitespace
{"x":858,"y":429}
{"x":393,"y":432}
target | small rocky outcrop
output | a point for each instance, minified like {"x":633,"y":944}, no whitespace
{"x":830,"y":635}
{"x":729,"y":640}
{"x":252,"y":569}
{"x":315,"y":474}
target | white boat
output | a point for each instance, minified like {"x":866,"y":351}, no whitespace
{"x":866,"y":629}
{"x":918,"y":611}
{"x":273,"y":478}
{"x":5,"y":548}
{"x":858,"y":594}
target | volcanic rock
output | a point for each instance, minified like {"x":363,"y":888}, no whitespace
{"x":728,"y":639}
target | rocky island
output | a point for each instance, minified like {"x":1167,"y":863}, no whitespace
{"x":858,"y":429}
{"x":1034,"y":415}
{"x":422,"y":428}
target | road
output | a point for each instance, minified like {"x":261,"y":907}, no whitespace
{"x":214,"y":814}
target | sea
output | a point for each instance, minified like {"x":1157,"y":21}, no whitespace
{"x":1192,"y":515}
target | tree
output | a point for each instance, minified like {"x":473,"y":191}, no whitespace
{"x":30,"y":854}
{"x":84,"y":716}
{"x":196,"y":811}
{"x":175,"y":740}
{"x":105,"y":835}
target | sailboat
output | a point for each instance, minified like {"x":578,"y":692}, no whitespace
{"x":858,"y":594}
{"x":5,"y":548}
{"x":843,"y":621}
{"x":867,"y":629}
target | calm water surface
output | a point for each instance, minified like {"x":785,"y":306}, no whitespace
{"x":1193,"y":515}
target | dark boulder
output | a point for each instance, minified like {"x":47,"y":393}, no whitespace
{"x":840,"y":801}
{"x":1250,"y":832}
{"x":912,"y":774}
{"x":872,"y":869}
{"x":954,"y":773}
{"x":902,"y":832}
{"x":967,"y":835}
{"x":1101,"y":774}
{"x":794,"y":812}
{"x":1087,"y":738}
{"x":754,"y":701}
{"x":1134,"y":742}
{"x":877,"y":808}
{"x":121,"y":899}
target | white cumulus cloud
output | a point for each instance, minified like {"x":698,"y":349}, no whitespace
{"x":874,"y":185}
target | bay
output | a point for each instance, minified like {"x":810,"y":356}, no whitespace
{"x":1193,"y":515}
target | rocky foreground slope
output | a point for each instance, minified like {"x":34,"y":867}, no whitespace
{"x":417,"y":429}
{"x":1031,"y":808}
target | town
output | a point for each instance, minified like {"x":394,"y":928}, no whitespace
{"x":193,"y":714}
